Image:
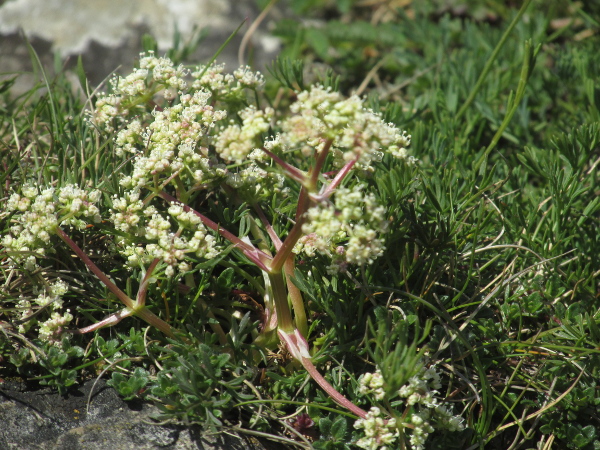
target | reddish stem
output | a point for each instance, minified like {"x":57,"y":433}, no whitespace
{"x":298,"y":347}
{"x":138,"y":310}
{"x":261,"y":259}
{"x":293,"y":172}
{"x":270,"y":231}
{"x":112,"y":287}
{"x":295,"y":233}
{"x":337,"y":180}
{"x":316,"y":170}
{"x":333,"y":393}
{"x":143,"y":290}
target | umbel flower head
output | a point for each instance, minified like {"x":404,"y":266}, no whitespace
{"x":320,"y":114}
{"x":37,"y":212}
{"x":423,"y":411}
{"x":209,"y":135}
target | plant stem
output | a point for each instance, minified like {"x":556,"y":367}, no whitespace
{"x":295,"y":297}
{"x":270,"y":231}
{"x":333,"y":393}
{"x":140,"y":311}
{"x":316,"y":169}
{"x":529,"y":55}
{"x":143,"y":289}
{"x":490,"y":61}
{"x":261,"y":259}
{"x":298,"y":347}
{"x":284,"y":315}
{"x":295,"y":233}
{"x":337,"y":180}
{"x":291,"y":171}
{"x":112,"y":287}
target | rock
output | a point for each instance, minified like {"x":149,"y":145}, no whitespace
{"x":107,"y":34}
{"x":43,"y":420}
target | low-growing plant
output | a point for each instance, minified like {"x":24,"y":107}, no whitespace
{"x":185,"y":150}
{"x":212,"y":244}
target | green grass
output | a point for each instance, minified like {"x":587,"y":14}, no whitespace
{"x":491,"y":268}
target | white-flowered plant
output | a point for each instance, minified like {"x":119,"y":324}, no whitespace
{"x":380,"y":431}
{"x":38,"y":212}
{"x":423,"y":411}
{"x":372,"y":384}
{"x":182,"y":138}
{"x":52,"y":323}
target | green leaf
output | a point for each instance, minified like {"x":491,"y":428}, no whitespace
{"x":318,"y":41}
{"x":225,"y":280}
{"x":325,"y":426}
{"x":339,"y":428}
{"x":80,"y":71}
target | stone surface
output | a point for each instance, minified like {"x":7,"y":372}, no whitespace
{"x":44,"y":420}
{"x":107,"y":33}
{"x":71,"y":25}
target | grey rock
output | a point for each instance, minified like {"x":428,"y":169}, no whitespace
{"x":43,"y":420}
{"x":107,"y":34}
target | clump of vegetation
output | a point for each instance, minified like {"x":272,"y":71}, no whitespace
{"x":212,"y":241}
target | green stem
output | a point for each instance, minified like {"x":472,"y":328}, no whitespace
{"x":513,"y":104}
{"x":182,"y":192}
{"x":151,"y":319}
{"x":490,"y":61}
{"x":295,"y":297}
{"x":284,"y":315}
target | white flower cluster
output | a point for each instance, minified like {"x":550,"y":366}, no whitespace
{"x":147,"y":224}
{"x":379,"y":432}
{"x":424,"y":410}
{"x":170,"y":143}
{"x":348,"y":229}
{"x":321,"y":114}
{"x":176,"y":141}
{"x":372,"y":384}
{"x":421,"y":388}
{"x":420,"y":392}
{"x":213,"y":79}
{"x":131,"y":93}
{"x":189,"y":141}
{"x":37,"y":212}
{"x":235,"y":142}
{"x":50,"y":298}
{"x":77,"y":207}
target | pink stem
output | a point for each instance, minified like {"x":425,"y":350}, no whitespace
{"x":255,"y":255}
{"x":143,"y":290}
{"x":111,"y":320}
{"x":295,"y":233}
{"x":316,"y":170}
{"x":298,"y":347}
{"x":268,"y":226}
{"x":138,"y":310}
{"x":293,"y":172}
{"x":337,"y":180}
{"x":112,"y":287}
{"x":339,"y":398}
